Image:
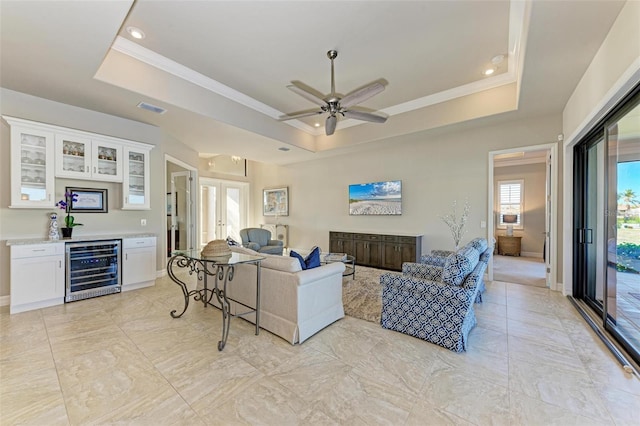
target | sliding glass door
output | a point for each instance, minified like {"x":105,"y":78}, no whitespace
{"x":607,"y":224}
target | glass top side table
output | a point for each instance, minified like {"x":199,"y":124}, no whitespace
{"x":221,"y":269}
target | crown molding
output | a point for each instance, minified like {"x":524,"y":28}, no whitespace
{"x":519,"y":13}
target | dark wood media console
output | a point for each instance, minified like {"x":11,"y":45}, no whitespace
{"x":377,"y":250}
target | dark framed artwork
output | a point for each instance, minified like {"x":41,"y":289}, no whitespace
{"x":88,"y":200}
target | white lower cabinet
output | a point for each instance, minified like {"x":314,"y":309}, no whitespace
{"x":138,"y":262}
{"x":38,"y":271}
{"x":37,"y":276}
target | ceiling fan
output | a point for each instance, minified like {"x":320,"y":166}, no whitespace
{"x":334,"y":104}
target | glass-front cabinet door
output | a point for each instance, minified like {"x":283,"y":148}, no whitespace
{"x":135,"y":185}
{"x":32,"y":181}
{"x":73,"y":156}
{"x":106,"y":161}
{"x":79,"y":157}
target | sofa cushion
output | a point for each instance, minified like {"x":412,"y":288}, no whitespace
{"x":311,"y":261}
{"x":458,"y":265}
{"x":271,"y":261}
{"x":243,"y":250}
{"x":280,"y":263}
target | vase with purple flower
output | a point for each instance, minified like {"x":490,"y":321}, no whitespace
{"x":69,"y":221}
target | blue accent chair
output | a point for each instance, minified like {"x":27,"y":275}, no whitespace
{"x":258,"y":239}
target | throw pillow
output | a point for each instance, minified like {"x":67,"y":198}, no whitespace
{"x":232,"y":242}
{"x":303,"y":265}
{"x":459,"y":265}
{"x":311,"y":261}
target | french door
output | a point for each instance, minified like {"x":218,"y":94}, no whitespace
{"x":607,"y":224}
{"x":223,"y":209}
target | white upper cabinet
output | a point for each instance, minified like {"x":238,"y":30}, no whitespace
{"x":32,"y":178}
{"x":79,"y":157}
{"x":135,"y":185}
{"x":42,"y":152}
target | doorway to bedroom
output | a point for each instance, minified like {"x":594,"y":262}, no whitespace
{"x":522,"y":215}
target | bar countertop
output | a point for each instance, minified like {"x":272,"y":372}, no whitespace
{"x":77,"y":238}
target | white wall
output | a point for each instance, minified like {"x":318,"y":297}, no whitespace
{"x":617,"y":62}
{"x":436,"y":168}
{"x":533,"y":219}
{"x":32,"y":223}
{"x":614,"y":70}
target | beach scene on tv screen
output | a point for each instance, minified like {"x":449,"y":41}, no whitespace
{"x":383,"y":198}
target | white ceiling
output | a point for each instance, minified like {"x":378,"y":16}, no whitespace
{"x":221,"y":68}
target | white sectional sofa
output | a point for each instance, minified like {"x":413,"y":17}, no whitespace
{"x":294,"y":304}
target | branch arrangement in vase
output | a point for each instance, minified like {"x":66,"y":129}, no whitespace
{"x":456,"y":225}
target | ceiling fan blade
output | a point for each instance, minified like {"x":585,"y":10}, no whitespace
{"x":361,"y":95}
{"x":306,"y":94}
{"x":299,"y":115}
{"x":330,"y":125}
{"x":365,"y":116}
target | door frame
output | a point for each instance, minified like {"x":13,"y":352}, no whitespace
{"x":553,"y":226}
{"x":192,"y":199}
{"x":189,"y":213}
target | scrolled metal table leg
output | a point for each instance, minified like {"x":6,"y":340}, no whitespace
{"x":222,"y":276}
{"x":181,"y":261}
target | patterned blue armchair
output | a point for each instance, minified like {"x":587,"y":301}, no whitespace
{"x":435,"y":303}
{"x":438,"y":257}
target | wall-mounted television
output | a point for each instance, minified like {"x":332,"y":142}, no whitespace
{"x":376,"y":198}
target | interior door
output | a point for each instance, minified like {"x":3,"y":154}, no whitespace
{"x":224,"y":209}
{"x":180,"y":211}
{"x":547,"y":223}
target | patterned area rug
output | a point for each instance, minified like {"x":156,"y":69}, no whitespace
{"x":361,"y":296}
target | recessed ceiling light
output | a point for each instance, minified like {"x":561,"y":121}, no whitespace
{"x":489,"y":71}
{"x":283,"y":148}
{"x":135,"y":32}
{"x":317,"y":124}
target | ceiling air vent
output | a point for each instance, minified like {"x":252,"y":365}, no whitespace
{"x":151,"y":108}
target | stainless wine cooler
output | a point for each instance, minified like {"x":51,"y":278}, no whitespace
{"x":93,"y":269}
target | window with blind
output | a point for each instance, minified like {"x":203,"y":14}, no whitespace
{"x":511,"y":200}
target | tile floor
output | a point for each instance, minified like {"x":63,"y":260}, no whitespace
{"x":122,"y":359}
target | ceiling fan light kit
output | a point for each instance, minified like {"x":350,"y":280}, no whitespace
{"x":334,"y":104}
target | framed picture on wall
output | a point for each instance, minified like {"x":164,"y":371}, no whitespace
{"x":169,"y":204}
{"x":88,"y":200}
{"x":276,"y":202}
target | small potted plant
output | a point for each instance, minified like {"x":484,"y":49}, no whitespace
{"x":69,"y":221}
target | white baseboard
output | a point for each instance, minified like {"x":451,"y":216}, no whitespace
{"x":531,"y":254}
{"x":138,"y":285}
{"x":161,"y":273}
{"x":5,"y":300}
